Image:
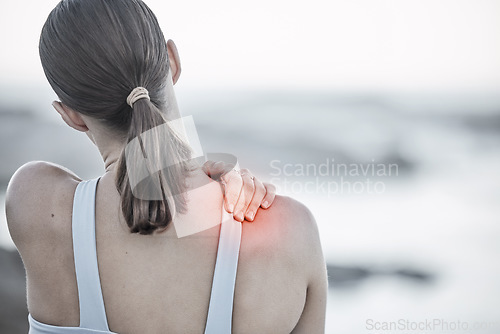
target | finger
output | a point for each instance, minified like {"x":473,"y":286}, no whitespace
{"x":258,"y":196}
{"x":233,"y":186}
{"x":207,"y":167}
{"x":270,"y":195}
{"x":245,"y":198}
{"x":225,"y":167}
{"x":218,"y":168}
{"x":214,"y":169}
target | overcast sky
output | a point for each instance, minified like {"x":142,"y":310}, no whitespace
{"x":415,"y":45}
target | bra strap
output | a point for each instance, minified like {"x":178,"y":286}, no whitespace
{"x":92,"y":311}
{"x":220,"y":309}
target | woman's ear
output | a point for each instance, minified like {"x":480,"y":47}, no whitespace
{"x":71,"y":117}
{"x":175,"y":62}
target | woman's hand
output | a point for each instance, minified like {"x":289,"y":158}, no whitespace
{"x":243,"y":193}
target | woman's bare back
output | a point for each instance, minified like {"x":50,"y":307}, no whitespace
{"x":159,"y":283}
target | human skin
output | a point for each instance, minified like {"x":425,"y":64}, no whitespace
{"x":155,"y":282}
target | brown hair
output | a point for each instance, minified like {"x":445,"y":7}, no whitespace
{"x":94,"y":53}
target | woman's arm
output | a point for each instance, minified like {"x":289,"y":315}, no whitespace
{"x":312,"y":320}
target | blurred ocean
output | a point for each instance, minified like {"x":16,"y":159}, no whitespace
{"x":421,"y":244}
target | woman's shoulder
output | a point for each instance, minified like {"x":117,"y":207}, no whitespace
{"x":39,"y":204}
{"x":38,"y":197}
{"x":287,"y":229}
{"x":287,"y":218}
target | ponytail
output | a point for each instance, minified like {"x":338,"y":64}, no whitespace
{"x":93,"y":54}
{"x":150,"y":205}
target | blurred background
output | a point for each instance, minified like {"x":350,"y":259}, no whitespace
{"x":383,"y":117}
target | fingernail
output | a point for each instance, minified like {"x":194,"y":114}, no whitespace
{"x":239,"y":216}
{"x":250,"y":215}
{"x":230,"y":207}
{"x":265,"y":205}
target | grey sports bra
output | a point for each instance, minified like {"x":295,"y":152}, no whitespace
{"x":92,"y":311}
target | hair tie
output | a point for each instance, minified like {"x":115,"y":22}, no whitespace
{"x":137,"y":94}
